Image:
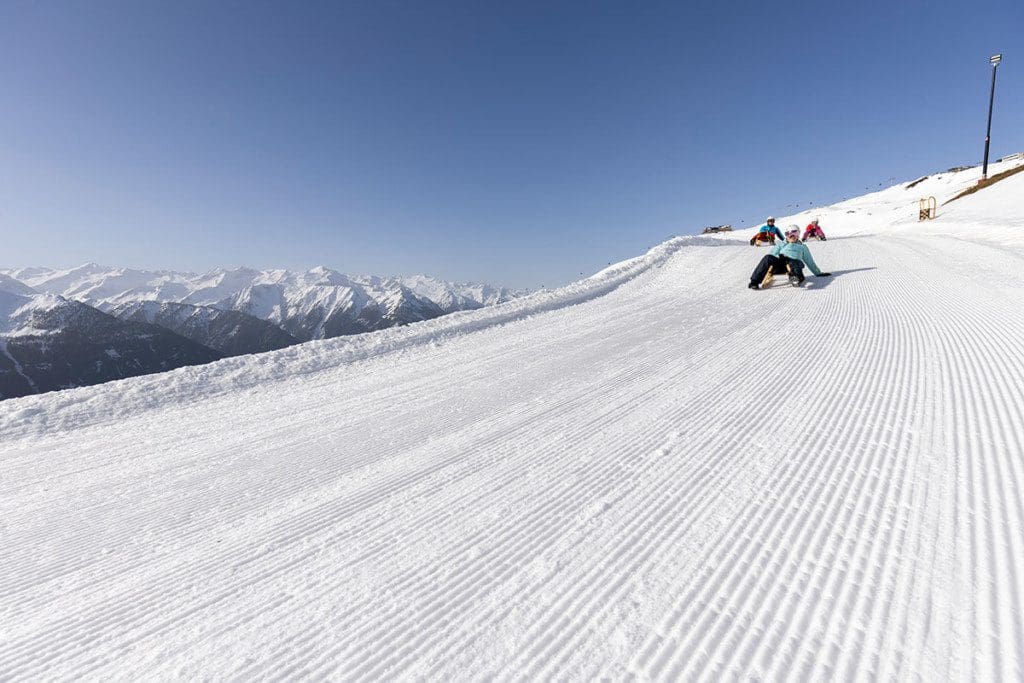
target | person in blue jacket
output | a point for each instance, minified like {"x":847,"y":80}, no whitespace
{"x":789,"y":257}
{"x":767,"y":233}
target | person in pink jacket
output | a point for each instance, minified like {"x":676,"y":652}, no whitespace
{"x":814,"y":230}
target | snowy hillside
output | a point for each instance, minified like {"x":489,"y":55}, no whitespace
{"x":12,"y":286}
{"x":652,"y":473}
{"x":313,"y":304}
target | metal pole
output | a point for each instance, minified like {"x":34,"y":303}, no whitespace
{"x":988,"y":130}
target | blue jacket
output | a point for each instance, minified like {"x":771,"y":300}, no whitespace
{"x":798,"y":251}
{"x":771,"y":229}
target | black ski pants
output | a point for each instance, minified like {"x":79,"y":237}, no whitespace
{"x":778,"y":265}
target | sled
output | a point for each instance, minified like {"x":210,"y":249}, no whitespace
{"x":772,"y":272}
{"x":815,"y":238}
{"x":926,"y":208}
{"x":764,"y":243}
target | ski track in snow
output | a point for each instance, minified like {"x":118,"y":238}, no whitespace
{"x":620,"y":488}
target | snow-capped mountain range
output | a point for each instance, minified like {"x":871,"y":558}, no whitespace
{"x":313,"y":304}
{"x":228,"y":332}
{"x":48,"y":342}
{"x":193,"y":318}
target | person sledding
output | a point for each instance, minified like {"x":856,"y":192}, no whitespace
{"x":788,"y":258}
{"x":814,"y":231}
{"x":766,"y":234}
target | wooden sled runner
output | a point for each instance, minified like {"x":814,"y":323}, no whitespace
{"x":772,"y":272}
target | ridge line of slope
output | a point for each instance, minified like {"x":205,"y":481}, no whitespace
{"x":99,"y":403}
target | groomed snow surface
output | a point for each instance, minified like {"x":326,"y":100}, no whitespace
{"x":652,"y":473}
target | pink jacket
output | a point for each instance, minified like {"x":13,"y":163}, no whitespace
{"x":814,"y":230}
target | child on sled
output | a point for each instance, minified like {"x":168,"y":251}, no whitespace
{"x":814,"y":230}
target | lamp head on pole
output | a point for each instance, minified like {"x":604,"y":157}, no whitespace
{"x":995,"y":59}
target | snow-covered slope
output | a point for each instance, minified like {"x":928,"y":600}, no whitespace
{"x":11,"y":286}
{"x":653,"y":473}
{"x":309,"y":304}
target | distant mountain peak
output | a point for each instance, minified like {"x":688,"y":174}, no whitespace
{"x":13,"y":286}
{"x":50,"y":343}
{"x":309,"y":304}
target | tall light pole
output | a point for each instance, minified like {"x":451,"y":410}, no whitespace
{"x":994,"y":61}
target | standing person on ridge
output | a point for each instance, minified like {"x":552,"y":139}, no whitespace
{"x":814,"y":230}
{"x":767,"y":233}
{"x":789,"y":257}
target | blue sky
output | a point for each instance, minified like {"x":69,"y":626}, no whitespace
{"x":518,"y":143}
